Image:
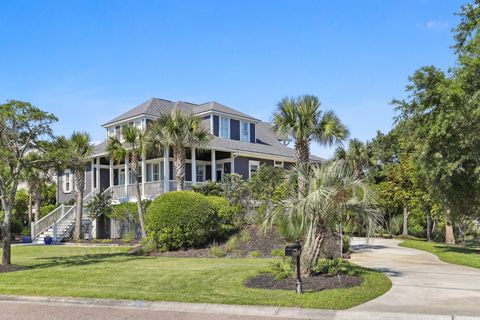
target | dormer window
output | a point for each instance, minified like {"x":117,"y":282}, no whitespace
{"x":244,"y":131}
{"x":224,"y":128}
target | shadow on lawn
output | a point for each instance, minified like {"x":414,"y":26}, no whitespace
{"x":455,"y":249}
{"x":84,"y":260}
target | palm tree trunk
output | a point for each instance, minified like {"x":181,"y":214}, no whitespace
{"x":37,"y":199}
{"x":302,"y":154}
{"x":136,"y":171}
{"x":405,"y":221}
{"x":80,"y":182}
{"x":30,"y":215}
{"x":179,"y":161}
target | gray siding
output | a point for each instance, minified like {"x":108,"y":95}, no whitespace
{"x":216,"y":126}
{"x":66,"y":197}
{"x":241,"y":165}
{"x":234,"y":129}
{"x":253,"y":137}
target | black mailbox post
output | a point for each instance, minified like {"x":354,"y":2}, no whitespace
{"x":294,"y":250}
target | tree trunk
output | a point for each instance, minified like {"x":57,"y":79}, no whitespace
{"x":405,"y":221}
{"x":80,"y":182}
{"x":449,"y":235}
{"x":429,"y":224}
{"x":179,"y":161}
{"x":136,"y":171}
{"x":30,"y":215}
{"x":302,"y":155}
{"x":7,"y":234}
{"x":140,"y":210}
{"x":37,"y":200}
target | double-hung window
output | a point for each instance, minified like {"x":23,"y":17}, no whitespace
{"x":67,"y":181}
{"x":224,"y":128}
{"x":253,"y":167}
{"x":200,"y":172}
{"x":153,"y":172}
{"x":244,"y":131}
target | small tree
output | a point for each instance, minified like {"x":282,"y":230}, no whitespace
{"x":131,"y":147}
{"x":179,"y":131}
{"x":22,"y":127}
{"x":78,"y":150}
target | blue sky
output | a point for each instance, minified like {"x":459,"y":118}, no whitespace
{"x":89,"y":61}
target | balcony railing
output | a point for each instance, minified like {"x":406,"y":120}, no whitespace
{"x":150,"y":190}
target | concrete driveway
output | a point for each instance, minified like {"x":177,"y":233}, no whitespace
{"x":421,"y":282}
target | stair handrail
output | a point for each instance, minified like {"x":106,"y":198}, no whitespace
{"x":48,"y":220}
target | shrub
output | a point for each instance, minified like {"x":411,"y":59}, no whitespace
{"x":278,"y":253}
{"x":333,"y":267}
{"x":255,"y":254}
{"x":232,"y":243}
{"x":229,"y":216}
{"x":180,"y":219}
{"x":345,"y":243}
{"x":282,"y":269}
{"x":216,"y":251}
{"x":245,"y":235}
{"x":46,"y":209}
{"x":209,"y":188}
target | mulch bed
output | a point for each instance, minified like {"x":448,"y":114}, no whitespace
{"x":11,"y":268}
{"x":313,"y":283}
{"x":258,"y":241}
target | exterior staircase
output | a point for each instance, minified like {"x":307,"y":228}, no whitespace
{"x":59,"y":223}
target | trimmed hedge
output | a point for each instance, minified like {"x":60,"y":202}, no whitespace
{"x":229,"y":216}
{"x":181,"y":219}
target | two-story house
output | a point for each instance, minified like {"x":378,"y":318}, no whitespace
{"x":240,"y":144}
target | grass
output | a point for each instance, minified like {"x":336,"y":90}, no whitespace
{"x":109,"y":272}
{"x":464,"y":256}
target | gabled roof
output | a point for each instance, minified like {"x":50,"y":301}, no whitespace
{"x":215,"y":106}
{"x":156,"y":106}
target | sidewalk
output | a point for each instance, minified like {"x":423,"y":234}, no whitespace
{"x":26,"y":308}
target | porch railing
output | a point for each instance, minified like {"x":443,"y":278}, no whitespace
{"x":47,"y":221}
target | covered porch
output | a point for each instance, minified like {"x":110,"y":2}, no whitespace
{"x":158,"y":173}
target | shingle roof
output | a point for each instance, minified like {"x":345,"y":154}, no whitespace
{"x":215,"y":106}
{"x":156,"y":106}
{"x":267,"y":144}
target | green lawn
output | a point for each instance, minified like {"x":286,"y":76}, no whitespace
{"x":105,"y":272}
{"x":452,"y":254}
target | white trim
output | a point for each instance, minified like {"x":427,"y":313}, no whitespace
{"x":213,"y":166}
{"x":250,"y":164}
{"x":194,"y":165}
{"x":166,"y":171}
{"x":280,"y":164}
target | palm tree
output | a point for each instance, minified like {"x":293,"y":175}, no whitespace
{"x":133,"y":147}
{"x":302,"y":121}
{"x":358,"y":156}
{"x":35,"y":177}
{"x":79,"y":148}
{"x":179,"y":131}
{"x":333,"y":191}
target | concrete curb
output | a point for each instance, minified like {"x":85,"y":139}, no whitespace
{"x":258,"y":311}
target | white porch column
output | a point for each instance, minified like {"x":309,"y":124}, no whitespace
{"x":194,"y":166}
{"x":98,"y":173}
{"x":232,"y":165}
{"x":166,"y":171}
{"x":111,"y":172}
{"x":144,"y":176}
{"x":214,"y":167}
{"x":126,"y":177}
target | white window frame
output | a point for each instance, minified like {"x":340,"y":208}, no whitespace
{"x":278,"y":164}
{"x":67,"y":175}
{"x":242,"y":138}
{"x":220,"y":128}
{"x":250,"y":164}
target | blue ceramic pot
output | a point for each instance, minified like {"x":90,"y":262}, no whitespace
{"x":26,"y":239}
{"x":47,"y":240}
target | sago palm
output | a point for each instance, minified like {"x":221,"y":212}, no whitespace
{"x":302,"y":121}
{"x":79,"y":149}
{"x":333,"y":191}
{"x":132,"y":147}
{"x":179,"y":131}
